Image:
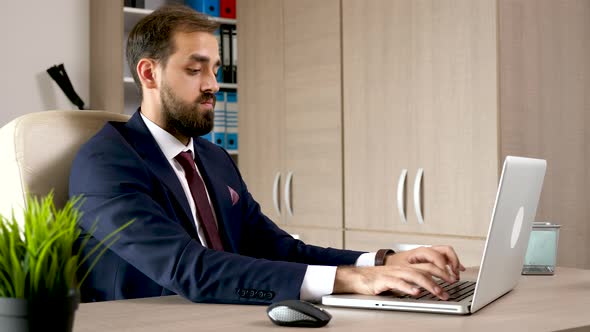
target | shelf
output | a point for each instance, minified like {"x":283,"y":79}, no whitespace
{"x":128,"y":79}
{"x":137,"y":11}
{"x":232,"y":152}
{"x":228,"y":86}
{"x":223,"y":20}
{"x":133,"y":15}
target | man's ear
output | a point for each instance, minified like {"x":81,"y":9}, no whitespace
{"x":146,"y":70}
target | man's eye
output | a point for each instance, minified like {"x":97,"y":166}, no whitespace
{"x":193,"y":71}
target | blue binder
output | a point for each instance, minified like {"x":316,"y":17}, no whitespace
{"x":231,"y":122}
{"x":219,"y":125}
{"x":208,"y":136}
{"x":208,"y":7}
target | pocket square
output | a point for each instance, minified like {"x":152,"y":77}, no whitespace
{"x":234,"y":196}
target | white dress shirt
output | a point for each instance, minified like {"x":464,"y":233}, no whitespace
{"x":318,"y":279}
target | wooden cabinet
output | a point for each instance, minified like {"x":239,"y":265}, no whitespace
{"x":442,"y":88}
{"x":419,"y":96}
{"x":453,"y":87}
{"x":290,"y":110}
{"x":261,"y":100}
{"x":544,"y":88}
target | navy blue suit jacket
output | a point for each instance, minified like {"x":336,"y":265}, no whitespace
{"x":123,"y":175}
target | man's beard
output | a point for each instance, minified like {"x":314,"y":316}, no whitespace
{"x":187,"y":119}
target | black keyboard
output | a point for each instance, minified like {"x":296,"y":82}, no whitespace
{"x":457,"y":291}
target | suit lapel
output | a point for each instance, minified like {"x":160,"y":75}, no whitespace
{"x":147,"y":147}
{"x":218,"y":191}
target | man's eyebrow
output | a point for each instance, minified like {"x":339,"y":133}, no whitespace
{"x":203,"y":58}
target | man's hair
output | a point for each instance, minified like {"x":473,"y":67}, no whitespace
{"x":152,"y":37}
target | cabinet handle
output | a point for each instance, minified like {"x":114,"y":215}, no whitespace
{"x":401,"y":186}
{"x":288,"y":182}
{"x":275,"y":193}
{"x":418,"y":195}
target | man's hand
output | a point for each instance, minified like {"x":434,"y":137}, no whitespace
{"x":378,"y":279}
{"x":444,"y":258}
{"x":403,"y":272}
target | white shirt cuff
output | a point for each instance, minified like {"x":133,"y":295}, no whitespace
{"x":367,"y":259}
{"x":317,"y":282}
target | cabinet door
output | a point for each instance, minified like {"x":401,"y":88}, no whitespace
{"x":378,"y":128}
{"x":420,"y":91}
{"x":312,"y":119}
{"x":260,"y":101}
{"x":455,"y":109}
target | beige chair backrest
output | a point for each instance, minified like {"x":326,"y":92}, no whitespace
{"x":37,"y":150}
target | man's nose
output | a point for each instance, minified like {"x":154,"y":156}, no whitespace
{"x":209,"y":83}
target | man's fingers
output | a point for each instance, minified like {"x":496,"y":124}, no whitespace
{"x":452,"y":257}
{"x":400,"y":285}
{"x":434,"y":270}
{"x":428,"y":255}
{"x":422,"y":279}
{"x":378,"y":279}
{"x":440,"y":256}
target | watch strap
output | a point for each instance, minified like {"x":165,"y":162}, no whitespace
{"x":380,"y":256}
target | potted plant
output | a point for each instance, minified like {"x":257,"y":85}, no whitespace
{"x":40,"y":266}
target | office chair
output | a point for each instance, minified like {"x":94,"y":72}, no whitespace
{"x":36,"y":153}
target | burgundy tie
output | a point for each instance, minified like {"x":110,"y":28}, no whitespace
{"x":197,"y":187}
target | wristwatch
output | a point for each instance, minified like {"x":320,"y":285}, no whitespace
{"x":381,"y":254}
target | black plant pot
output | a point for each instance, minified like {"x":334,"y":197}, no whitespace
{"x":41,"y":314}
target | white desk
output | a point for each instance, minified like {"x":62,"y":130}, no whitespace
{"x":538,"y":303}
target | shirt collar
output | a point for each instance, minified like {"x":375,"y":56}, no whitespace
{"x":169,"y":145}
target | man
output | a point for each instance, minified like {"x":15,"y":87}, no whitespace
{"x":198,"y":232}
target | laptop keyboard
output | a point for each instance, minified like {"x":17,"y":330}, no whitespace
{"x":457,"y":291}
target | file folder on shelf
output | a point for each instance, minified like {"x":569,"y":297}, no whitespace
{"x":208,"y":7}
{"x":227,"y":8}
{"x":225,"y":128}
{"x":208,"y":136}
{"x":220,"y":70}
{"x":219,"y":124}
{"x":234,"y":55}
{"x":231,"y":122}
{"x":226,"y":53}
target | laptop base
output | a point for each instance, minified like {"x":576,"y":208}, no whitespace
{"x":397,"y":304}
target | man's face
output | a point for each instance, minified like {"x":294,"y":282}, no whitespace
{"x":189,"y":84}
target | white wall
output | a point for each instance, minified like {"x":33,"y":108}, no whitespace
{"x":35,"y":35}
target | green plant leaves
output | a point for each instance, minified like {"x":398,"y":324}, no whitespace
{"x":41,"y":259}
{"x":13,"y":265}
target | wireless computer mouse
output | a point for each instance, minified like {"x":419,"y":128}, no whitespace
{"x":297,"y":313}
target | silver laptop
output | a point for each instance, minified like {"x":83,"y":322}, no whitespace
{"x":503,"y":257}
